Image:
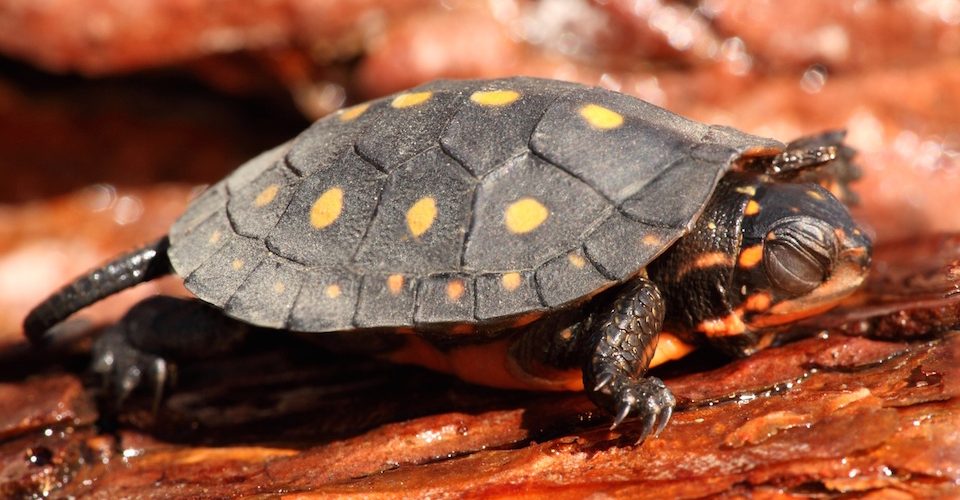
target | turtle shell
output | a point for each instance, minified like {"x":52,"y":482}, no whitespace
{"x":454,"y":202}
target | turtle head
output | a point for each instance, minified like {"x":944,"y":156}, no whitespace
{"x":763,"y":254}
{"x":800,"y":254}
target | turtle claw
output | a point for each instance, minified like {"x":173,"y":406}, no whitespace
{"x":123,"y":368}
{"x":649,"y":400}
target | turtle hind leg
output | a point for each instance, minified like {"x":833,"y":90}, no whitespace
{"x":143,"y":264}
{"x":142,"y":349}
{"x":619,"y":344}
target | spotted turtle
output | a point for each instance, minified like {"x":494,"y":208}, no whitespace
{"x":516,"y":232}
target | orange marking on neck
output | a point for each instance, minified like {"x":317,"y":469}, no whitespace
{"x":731,"y":324}
{"x":704,"y":261}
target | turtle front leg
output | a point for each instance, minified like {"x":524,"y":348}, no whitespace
{"x":619,"y":344}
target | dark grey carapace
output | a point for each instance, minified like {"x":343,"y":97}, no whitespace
{"x":548,"y":228}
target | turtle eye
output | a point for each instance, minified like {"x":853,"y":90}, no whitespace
{"x":798,"y":254}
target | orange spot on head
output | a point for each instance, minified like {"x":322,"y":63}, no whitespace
{"x":750,"y":256}
{"x":753,"y":208}
{"x":758,"y":302}
{"x":455,"y":290}
{"x":395,"y":283}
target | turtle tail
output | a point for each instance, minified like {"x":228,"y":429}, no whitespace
{"x":143,"y":264}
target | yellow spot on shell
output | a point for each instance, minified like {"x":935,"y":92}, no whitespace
{"x":753,"y":208}
{"x":421,"y":215}
{"x":215,"y":237}
{"x":332,"y":291}
{"x":751,"y":256}
{"x":576,"y":261}
{"x":237,"y":264}
{"x":525,"y":215}
{"x":410,"y":99}
{"x":510,"y":281}
{"x":353,"y":112}
{"x":455,"y":290}
{"x":279,"y":288}
{"x":600,"y":117}
{"x":494,"y":97}
{"x":266,"y":196}
{"x":395,"y":283}
{"x":327,"y":208}
{"x":651,"y":240}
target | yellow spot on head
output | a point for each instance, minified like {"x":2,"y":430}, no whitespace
{"x":576,"y":261}
{"x":600,"y":117}
{"x":237,"y":264}
{"x":510,"y":281}
{"x":421,"y":215}
{"x":332,"y":291}
{"x":747,"y":190}
{"x":410,"y":99}
{"x":753,"y":208}
{"x":278,"y":288}
{"x":327,"y":208}
{"x":651,"y":240}
{"x":395,"y":283}
{"x":266,"y":196}
{"x":494,"y":97}
{"x":352,"y":113}
{"x":215,"y":237}
{"x":815,"y":195}
{"x":566,"y":334}
{"x":455,"y":290}
{"x":750,"y":256}
{"x":525,"y":215}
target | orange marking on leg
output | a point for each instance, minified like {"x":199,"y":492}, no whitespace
{"x":669,"y":348}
